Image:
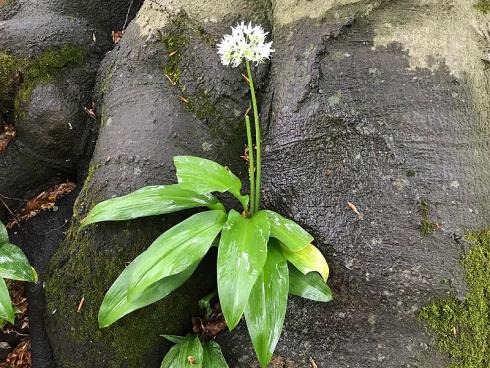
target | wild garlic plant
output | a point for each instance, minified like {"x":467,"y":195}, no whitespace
{"x":262,"y":256}
{"x":14,"y":266}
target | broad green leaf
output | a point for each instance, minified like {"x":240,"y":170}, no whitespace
{"x":308,"y":260}
{"x":267,"y":304}
{"x":4,"y":236}
{"x":206,"y":176}
{"x":150,"y":201}
{"x":288,"y":232}
{"x":186,"y":354}
{"x":241,"y":256}
{"x":176,"y":250}
{"x":116,"y":304}
{"x":309,"y":286}
{"x":6,"y":311}
{"x":213,"y":357}
{"x":174,"y":338}
{"x":14,"y":264}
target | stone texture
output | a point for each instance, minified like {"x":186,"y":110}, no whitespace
{"x":363,"y":102}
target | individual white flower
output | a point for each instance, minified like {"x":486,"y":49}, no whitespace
{"x":246,"y":42}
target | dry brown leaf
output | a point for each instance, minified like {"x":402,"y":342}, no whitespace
{"x":80,"y":305}
{"x":8,"y":135}
{"x":20,"y":357}
{"x":91,"y":111}
{"x":172,"y":53}
{"x":246,"y":155}
{"x":172,"y":82}
{"x":116,"y":36}
{"x":184,"y":99}
{"x":211,"y":326}
{"x":313,"y":364}
{"x":360,"y":216}
{"x":44,"y":201}
{"x":16,"y":291}
{"x":248,"y":110}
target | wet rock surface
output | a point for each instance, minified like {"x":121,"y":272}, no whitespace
{"x":354,"y":110}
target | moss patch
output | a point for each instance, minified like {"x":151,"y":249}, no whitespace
{"x":463,"y":327}
{"x":262,"y":9}
{"x":411,"y":173}
{"x":427,"y":227}
{"x":103,"y":89}
{"x":20,"y":75}
{"x":174,"y":46}
{"x":483,"y":6}
{"x":198,"y":101}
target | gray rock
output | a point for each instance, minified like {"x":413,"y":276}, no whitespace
{"x":364,"y":103}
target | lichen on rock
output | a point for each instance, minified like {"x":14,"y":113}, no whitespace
{"x":462,"y":327}
{"x":427,"y":227}
{"x":483,"y":6}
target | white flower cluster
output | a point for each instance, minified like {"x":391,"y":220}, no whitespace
{"x":246,"y":42}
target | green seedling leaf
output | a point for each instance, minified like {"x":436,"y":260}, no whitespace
{"x":116,"y":304}
{"x":174,"y":338}
{"x":213,"y":357}
{"x":310,"y":286}
{"x":206,"y":176}
{"x":187,"y":354}
{"x":267,"y":304}
{"x":242,"y":253}
{"x":150,"y":201}
{"x":176,"y":250}
{"x":288,"y":232}
{"x":6,"y":311}
{"x":308,"y":260}
{"x":14,"y":264}
{"x":4,"y":236}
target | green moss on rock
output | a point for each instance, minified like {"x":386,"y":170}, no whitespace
{"x":462,"y":328}
{"x":174,"y":46}
{"x":199,"y":102}
{"x":262,"y":10}
{"x":427,"y":227}
{"x":483,"y":6}
{"x":20,"y":75}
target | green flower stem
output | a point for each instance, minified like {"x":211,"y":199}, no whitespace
{"x":251,"y":165}
{"x":257,"y":137}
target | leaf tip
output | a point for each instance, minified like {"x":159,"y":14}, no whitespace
{"x":35,"y":275}
{"x":102,"y":320}
{"x":232,"y":321}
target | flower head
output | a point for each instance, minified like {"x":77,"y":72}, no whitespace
{"x":246,"y":42}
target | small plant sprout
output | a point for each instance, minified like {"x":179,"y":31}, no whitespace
{"x":262,"y":256}
{"x":14,"y":266}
